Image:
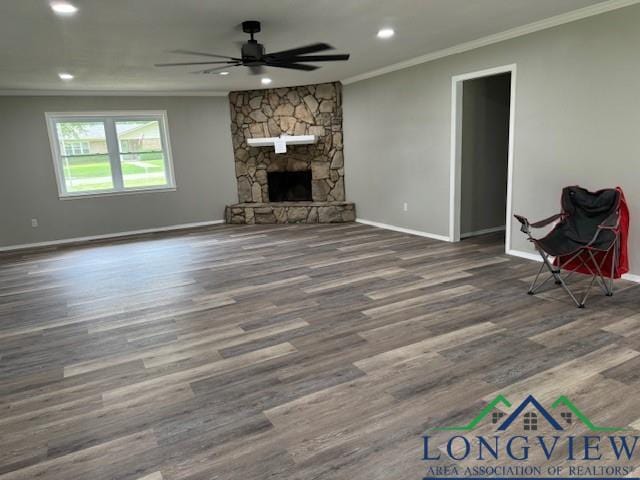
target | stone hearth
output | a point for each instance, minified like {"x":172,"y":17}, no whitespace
{"x":304,"y":110}
{"x":291,"y":212}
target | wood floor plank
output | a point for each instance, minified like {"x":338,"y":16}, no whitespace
{"x":285,"y":351}
{"x":432,"y":344}
{"x":627,"y":327}
{"x":424,"y":299}
{"x":551,"y":383}
{"x":88,"y":462}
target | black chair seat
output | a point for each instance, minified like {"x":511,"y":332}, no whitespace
{"x":589,"y":237}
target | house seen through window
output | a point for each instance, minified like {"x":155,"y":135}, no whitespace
{"x":110,"y":153}
{"x":76,"y":148}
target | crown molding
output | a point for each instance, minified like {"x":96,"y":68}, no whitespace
{"x":550,"y":22}
{"x":113,"y":93}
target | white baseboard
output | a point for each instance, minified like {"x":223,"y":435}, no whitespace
{"x":536,"y":258}
{"x":52,"y":243}
{"x":528,"y":255}
{"x":484,"y":231}
{"x":631,"y":277}
{"x":434,"y":236}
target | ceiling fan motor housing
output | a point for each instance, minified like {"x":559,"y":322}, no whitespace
{"x":252,"y":51}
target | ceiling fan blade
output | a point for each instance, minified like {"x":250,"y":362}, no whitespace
{"x":190,"y":63}
{"x":203,"y":54}
{"x":256,"y":69}
{"x":296,"y":52}
{"x":293,"y":66}
{"x":319,"y":58}
{"x":211,"y":70}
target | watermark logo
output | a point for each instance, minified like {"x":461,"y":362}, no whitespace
{"x":531,"y":418}
{"x":528,"y":441}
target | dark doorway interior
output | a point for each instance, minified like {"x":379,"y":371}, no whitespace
{"x":485,"y":151}
{"x":289,"y":186}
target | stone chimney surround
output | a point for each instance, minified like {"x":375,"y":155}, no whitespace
{"x":304,"y":110}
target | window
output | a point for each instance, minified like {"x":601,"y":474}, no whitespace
{"x":76,"y":148}
{"x":530,"y":421}
{"x":106,"y":153}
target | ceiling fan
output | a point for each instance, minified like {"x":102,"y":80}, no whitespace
{"x":253,"y":55}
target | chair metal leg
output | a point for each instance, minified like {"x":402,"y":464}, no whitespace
{"x":590,"y":263}
{"x":532,"y":288}
{"x":556,"y":275}
{"x":536,"y":287}
{"x":599,"y":274}
{"x":596,"y":274}
{"x":586,"y":293}
{"x":614,"y":262}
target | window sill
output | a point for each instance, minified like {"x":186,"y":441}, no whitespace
{"x":111,"y":193}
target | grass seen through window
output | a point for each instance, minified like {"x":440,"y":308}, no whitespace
{"x":93,"y":172}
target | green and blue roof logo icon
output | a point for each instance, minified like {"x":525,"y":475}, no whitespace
{"x":532,"y":411}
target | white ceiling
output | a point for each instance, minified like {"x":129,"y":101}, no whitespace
{"x":113,"y":44}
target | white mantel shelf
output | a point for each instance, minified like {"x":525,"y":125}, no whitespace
{"x":288,"y":139}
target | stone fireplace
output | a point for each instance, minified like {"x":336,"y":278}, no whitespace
{"x":304,"y":184}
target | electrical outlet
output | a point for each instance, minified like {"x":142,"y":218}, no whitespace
{"x":34,"y":222}
{"x":405,"y":206}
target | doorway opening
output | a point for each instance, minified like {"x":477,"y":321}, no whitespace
{"x":485,"y":147}
{"x":482,"y":153}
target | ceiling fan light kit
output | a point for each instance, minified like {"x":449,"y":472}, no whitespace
{"x":254,"y":56}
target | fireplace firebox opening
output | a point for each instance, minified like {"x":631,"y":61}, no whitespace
{"x":289,"y":186}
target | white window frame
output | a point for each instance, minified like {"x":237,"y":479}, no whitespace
{"x":109,"y":118}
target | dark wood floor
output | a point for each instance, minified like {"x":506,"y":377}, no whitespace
{"x":284,"y":352}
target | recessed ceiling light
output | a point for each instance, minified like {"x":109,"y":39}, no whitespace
{"x":265,"y":81}
{"x":386,"y":33}
{"x":224,"y":73}
{"x":63,"y":8}
{"x":65,"y":76}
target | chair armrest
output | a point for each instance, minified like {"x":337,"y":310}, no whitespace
{"x":547,"y":221}
{"x":612,"y":222}
{"x":526,"y":226}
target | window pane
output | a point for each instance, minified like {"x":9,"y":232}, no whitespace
{"x":86,"y":173}
{"x":82,"y":138}
{"x":143,"y":169}
{"x":85,"y":163}
{"x":139,"y":136}
{"x":142,"y":159}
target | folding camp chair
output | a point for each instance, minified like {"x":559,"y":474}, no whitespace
{"x":589,"y":237}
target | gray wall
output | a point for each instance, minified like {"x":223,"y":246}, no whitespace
{"x":202,"y":158}
{"x":577,"y":118}
{"x":485,"y":151}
